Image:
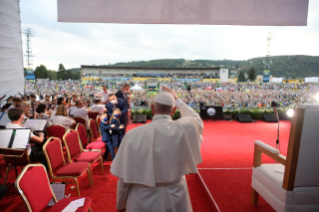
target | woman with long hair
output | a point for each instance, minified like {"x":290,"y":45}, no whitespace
{"x":61,"y":117}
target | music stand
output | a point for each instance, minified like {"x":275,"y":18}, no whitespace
{"x":14,"y":145}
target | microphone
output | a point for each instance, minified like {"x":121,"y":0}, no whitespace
{"x":275,"y":105}
{"x":3,"y":97}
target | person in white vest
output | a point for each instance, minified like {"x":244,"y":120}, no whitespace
{"x":154,"y":158}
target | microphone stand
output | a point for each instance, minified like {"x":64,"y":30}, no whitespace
{"x":277,"y":141}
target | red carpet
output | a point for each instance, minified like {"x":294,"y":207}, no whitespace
{"x":227,"y":148}
{"x":103,"y":192}
{"x":226,"y":145}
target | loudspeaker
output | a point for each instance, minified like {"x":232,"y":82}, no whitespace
{"x":244,"y":118}
{"x":139,"y":118}
{"x":269,"y":118}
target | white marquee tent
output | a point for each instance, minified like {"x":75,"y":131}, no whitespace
{"x":11,"y":57}
{"x":136,"y":88}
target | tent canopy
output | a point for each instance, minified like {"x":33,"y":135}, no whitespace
{"x":212,"y":12}
{"x":136,"y":88}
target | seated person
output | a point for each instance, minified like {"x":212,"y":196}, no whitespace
{"x":74,"y":100}
{"x":81,"y":111}
{"x":16,"y":103}
{"x":16,"y":117}
{"x":105,"y":129}
{"x":97,"y":106}
{"x":42,"y":113}
{"x":116,"y":128}
{"x":61,"y":117}
{"x":25,"y":106}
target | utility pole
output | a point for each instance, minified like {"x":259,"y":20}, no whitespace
{"x":28,"y":32}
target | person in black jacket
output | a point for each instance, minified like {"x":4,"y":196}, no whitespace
{"x":122,"y":94}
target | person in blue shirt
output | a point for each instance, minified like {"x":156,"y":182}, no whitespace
{"x":117,"y":128}
{"x":121,"y":105}
{"x":105,"y":129}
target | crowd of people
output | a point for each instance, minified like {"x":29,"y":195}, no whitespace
{"x":234,"y":95}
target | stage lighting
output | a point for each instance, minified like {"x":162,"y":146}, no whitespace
{"x":290,"y":113}
{"x":317,"y":97}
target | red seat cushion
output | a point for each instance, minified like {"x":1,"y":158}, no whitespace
{"x":60,"y":205}
{"x":96,"y":145}
{"x":72,"y":169}
{"x":88,"y":157}
{"x":98,"y":139}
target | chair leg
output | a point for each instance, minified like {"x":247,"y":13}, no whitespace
{"x":91,"y":174}
{"x":254,"y":197}
{"x":89,"y":177}
{"x":6,"y":178}
{"x":101,"y":162}
{"x":77,"y":187}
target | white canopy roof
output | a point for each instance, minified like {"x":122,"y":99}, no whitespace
{"x":136,"y":88}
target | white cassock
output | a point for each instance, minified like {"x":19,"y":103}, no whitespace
{"x":152,"y":162}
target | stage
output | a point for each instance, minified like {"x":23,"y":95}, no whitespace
{"x":223,"y":181}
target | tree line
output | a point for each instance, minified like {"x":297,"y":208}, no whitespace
{"x":41,"y":72}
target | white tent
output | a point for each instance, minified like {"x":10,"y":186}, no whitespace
{"x":136,"y":88}
{"x":11,"y":61}
{"x":311,"y":79}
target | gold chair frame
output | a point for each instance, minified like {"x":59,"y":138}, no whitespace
{"x":89,"y":171}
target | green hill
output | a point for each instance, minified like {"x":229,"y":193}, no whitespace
{"x":282,"y":66}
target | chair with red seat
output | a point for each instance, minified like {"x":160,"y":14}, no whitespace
{"x":79,"y":119}
{"x":75,"y":150}
{"x":95,"y":135}
{"x":56,"y":130}
{"x":34,"y":178}
{"x":58,"y":169}
{"x":98,"y":145}
{"x":93,"y":114}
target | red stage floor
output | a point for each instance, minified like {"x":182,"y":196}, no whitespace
{"x":227,"y":153}
{"x":226,"y":145}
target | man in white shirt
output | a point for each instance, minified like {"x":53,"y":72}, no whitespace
{"x":16,"y":117}
{"x":97,"y":106}
{"x":104,"y":94}
{"x":154,"y":158}
{"x":81,"y":111}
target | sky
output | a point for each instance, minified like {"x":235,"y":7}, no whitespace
{"x":76,"y":44}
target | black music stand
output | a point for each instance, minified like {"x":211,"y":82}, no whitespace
{"x":14,"y":144}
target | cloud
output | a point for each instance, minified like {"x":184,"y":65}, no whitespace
{"x":75,"y":44}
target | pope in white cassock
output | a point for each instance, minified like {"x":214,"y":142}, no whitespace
{"x":153,"y":159}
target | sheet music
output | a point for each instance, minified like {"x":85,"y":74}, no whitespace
{"x":5,"y":137}
{"x":21,"y":139}
{"x":36,"y":124}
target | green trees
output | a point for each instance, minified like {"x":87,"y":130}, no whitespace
{"x":241,"y":77}
{"x":252,"y":74}
{"x":41,"y":72}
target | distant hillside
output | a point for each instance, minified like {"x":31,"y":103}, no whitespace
{"x":282,"y":66}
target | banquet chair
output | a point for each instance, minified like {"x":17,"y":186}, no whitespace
{"x":93,"y":146}
{"x":291,"y":184}
{"x":94,"y":131}
{"x":93,"y":114}
{"x":56,"y":130}
{"x":75,"y":150}
{"x":58,"y":169}
{"x":79,"y":119}
{"x":34,"y":178}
